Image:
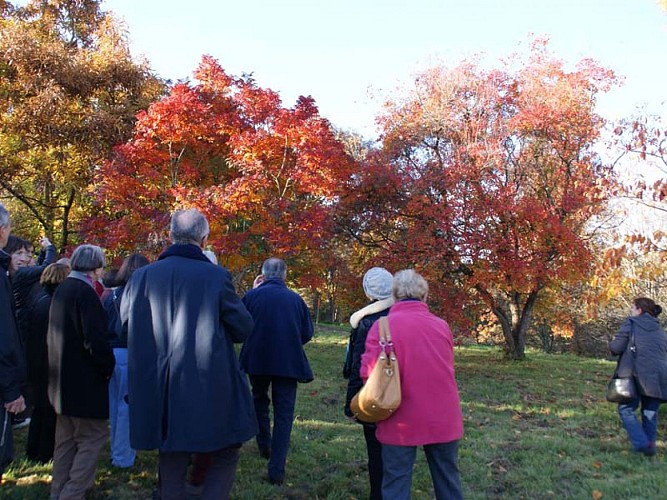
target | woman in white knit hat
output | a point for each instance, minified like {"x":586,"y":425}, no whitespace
{"x":377,"y":284}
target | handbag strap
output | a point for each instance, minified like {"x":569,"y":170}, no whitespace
{"x":632,"y":346}
{"x":385,"y":333}
{"x":385,"y":338}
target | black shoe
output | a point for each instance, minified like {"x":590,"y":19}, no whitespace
{"x":265,"y":453}
{"x":649,"y":451}
{"x":20,"y":423}
{"x":275,"y":481}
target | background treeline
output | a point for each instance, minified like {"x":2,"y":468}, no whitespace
{"x":534,"y":219}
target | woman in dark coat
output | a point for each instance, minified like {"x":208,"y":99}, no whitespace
{"x":80,"y":365}
{"x":25,"y":274}
{"x":377,"y":286}
{"x":650,"y":372}
{"x":42,"y":430}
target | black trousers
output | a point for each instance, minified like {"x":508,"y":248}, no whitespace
{"x":41,"y":434}
{"x":283,"y":394}
{"x":374,"y":448}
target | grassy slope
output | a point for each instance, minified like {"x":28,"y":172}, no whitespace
{"x":534,"y":429}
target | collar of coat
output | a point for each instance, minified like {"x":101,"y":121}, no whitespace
{"x":78,"y":275}
{"x":372,"y":308}
{"x":188,"y":251}
{"x":645,"y":322}
{"x":5,"y":259}
{"x":273,"y":281}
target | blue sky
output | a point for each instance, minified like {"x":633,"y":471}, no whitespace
{"x":347,"y":54}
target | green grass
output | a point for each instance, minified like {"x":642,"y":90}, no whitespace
{"x":539,"y":428}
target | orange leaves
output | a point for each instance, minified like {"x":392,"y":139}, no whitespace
{"x":265,"y":175}
{"x":496,"y":179}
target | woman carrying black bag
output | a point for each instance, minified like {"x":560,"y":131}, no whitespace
{"x":650,"y":372}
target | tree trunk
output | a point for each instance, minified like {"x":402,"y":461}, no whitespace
{"x":316,"y":307}
{"x":515,"y":318}
{"x":65,"y":220}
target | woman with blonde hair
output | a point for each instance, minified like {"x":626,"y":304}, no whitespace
{"x":42,"y":430}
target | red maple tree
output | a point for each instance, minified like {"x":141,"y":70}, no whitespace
{"x":266,"y":176}
{"x":485,"y":183}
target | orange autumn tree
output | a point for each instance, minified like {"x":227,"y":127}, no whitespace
{"x":266,"y":176}
{"x":487,"y":183}
{"x":69,"y":92}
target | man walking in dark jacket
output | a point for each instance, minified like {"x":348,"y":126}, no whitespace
{"x":273,"y":357}
{"x":12,"y":363}
{"x":186,"y":392}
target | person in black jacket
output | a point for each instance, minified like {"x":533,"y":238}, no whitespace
{"x":80,"y":365}
{"x":24,"y":275}
{"x":647,"y":364}
{"x":12,"y":365}
{"x":42,"y":430}
{"x":377,"y":284}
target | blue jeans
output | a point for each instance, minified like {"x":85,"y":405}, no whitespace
{"x":283,"y":392}
{"x":122,"y":454}
{"x":642,"y":435}
{"x":442,"y":461}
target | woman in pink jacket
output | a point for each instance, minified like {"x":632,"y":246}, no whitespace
{"x":430,"y":413}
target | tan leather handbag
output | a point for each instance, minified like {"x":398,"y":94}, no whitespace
{"x":381,"y":394}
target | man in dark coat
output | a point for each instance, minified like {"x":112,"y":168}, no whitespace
{"x":186,"y":391}
{"x":80,"y":365}
{"x":12,"y":364}
{"x":273,"y":357}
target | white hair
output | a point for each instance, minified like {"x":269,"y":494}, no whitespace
{"x":409,"y":284}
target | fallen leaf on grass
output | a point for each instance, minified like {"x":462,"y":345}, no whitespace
{"x":597,"y":495}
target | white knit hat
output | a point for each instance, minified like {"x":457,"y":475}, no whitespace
{"x":377,"y":283}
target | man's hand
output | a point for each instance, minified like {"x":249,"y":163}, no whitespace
{"x":258,"y":280}
{"x":44,"y":242}
{"x":16,"y":406}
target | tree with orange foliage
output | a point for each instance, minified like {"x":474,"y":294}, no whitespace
{"x":265,"y":175}
{"x":69,"y":92}
{"x":486,"y":182}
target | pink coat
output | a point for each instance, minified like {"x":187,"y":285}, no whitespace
{"x":430,"y":411}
